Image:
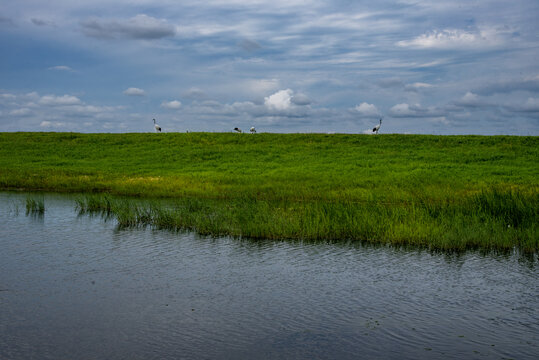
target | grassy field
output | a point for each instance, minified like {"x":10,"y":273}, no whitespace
{"x":442,"y":192}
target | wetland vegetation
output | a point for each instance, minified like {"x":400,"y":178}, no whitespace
{"x":35,"y":206}
{"x":440,"y":192}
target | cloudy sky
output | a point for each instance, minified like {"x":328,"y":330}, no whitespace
{"x":435,"y":67}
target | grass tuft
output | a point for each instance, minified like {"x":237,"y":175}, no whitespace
{"x":35,"y":206}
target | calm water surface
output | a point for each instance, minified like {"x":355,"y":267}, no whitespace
{"x":78,"y":288}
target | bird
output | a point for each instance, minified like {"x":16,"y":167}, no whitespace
{"x":377,"y":127}
{"x":237,"y":129}
{"x":252,"y":130}
{"x":157,"y":127}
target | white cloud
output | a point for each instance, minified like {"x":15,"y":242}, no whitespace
{"x":133,"y":91}
{"x":405,"y":110}
{"x":367,"y":110}
{"x":456,"y":39}
{"x":174,"y":104}
{"x":530,"y":106}
{"x":280,"y":101}
{"x":53,"y":100}
{"x":445,"y":38}
{"x":439,"y":119}
{"x":348,"y":21}
{"x":470,"y":100}
{"x":195,"y":93}
{"x":52,"y":124}
{"x":278,"y":107}
{"x":398,"y":83}
{"x":65,"y":112}
{"x":261,"y":86}
{"x":61,"y":68}
{"x":401,"y":110}
{"x":20,"y":112}
{"x":89,"y":110}
{"x":417,"y":86}
{"x":7,"y":97}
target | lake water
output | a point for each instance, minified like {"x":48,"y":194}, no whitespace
{"x":76,"y":287}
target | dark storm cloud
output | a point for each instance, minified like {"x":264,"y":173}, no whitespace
{"x":6,"y":21}
{"x":41,"y":22}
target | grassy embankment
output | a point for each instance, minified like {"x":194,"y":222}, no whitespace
{"x":442,"y":192}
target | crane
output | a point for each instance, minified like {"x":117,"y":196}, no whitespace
{"x":377,"y":127}
{"x":157,"y":127}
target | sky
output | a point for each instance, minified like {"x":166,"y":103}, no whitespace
{"x":425,"y":67}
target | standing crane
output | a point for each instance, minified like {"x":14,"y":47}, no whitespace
{"x":252,"y":130}
{"x":377,"y":127}
{"x":157,"y":127}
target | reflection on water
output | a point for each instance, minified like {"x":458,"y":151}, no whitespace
{"x":76,"y":287}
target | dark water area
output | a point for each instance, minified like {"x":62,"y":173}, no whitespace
{"x":76,"y":287}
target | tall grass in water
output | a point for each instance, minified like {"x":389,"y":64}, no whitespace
{"x":94,"y":204}
{"x":35,"y":206}
{"x":479,"y":222}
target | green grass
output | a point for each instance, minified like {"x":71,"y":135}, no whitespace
{"x":443,"y":192}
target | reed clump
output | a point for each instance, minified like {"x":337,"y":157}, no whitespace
{"x":35,"y":206}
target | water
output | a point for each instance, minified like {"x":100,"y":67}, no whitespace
{"x":75,"y":287}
